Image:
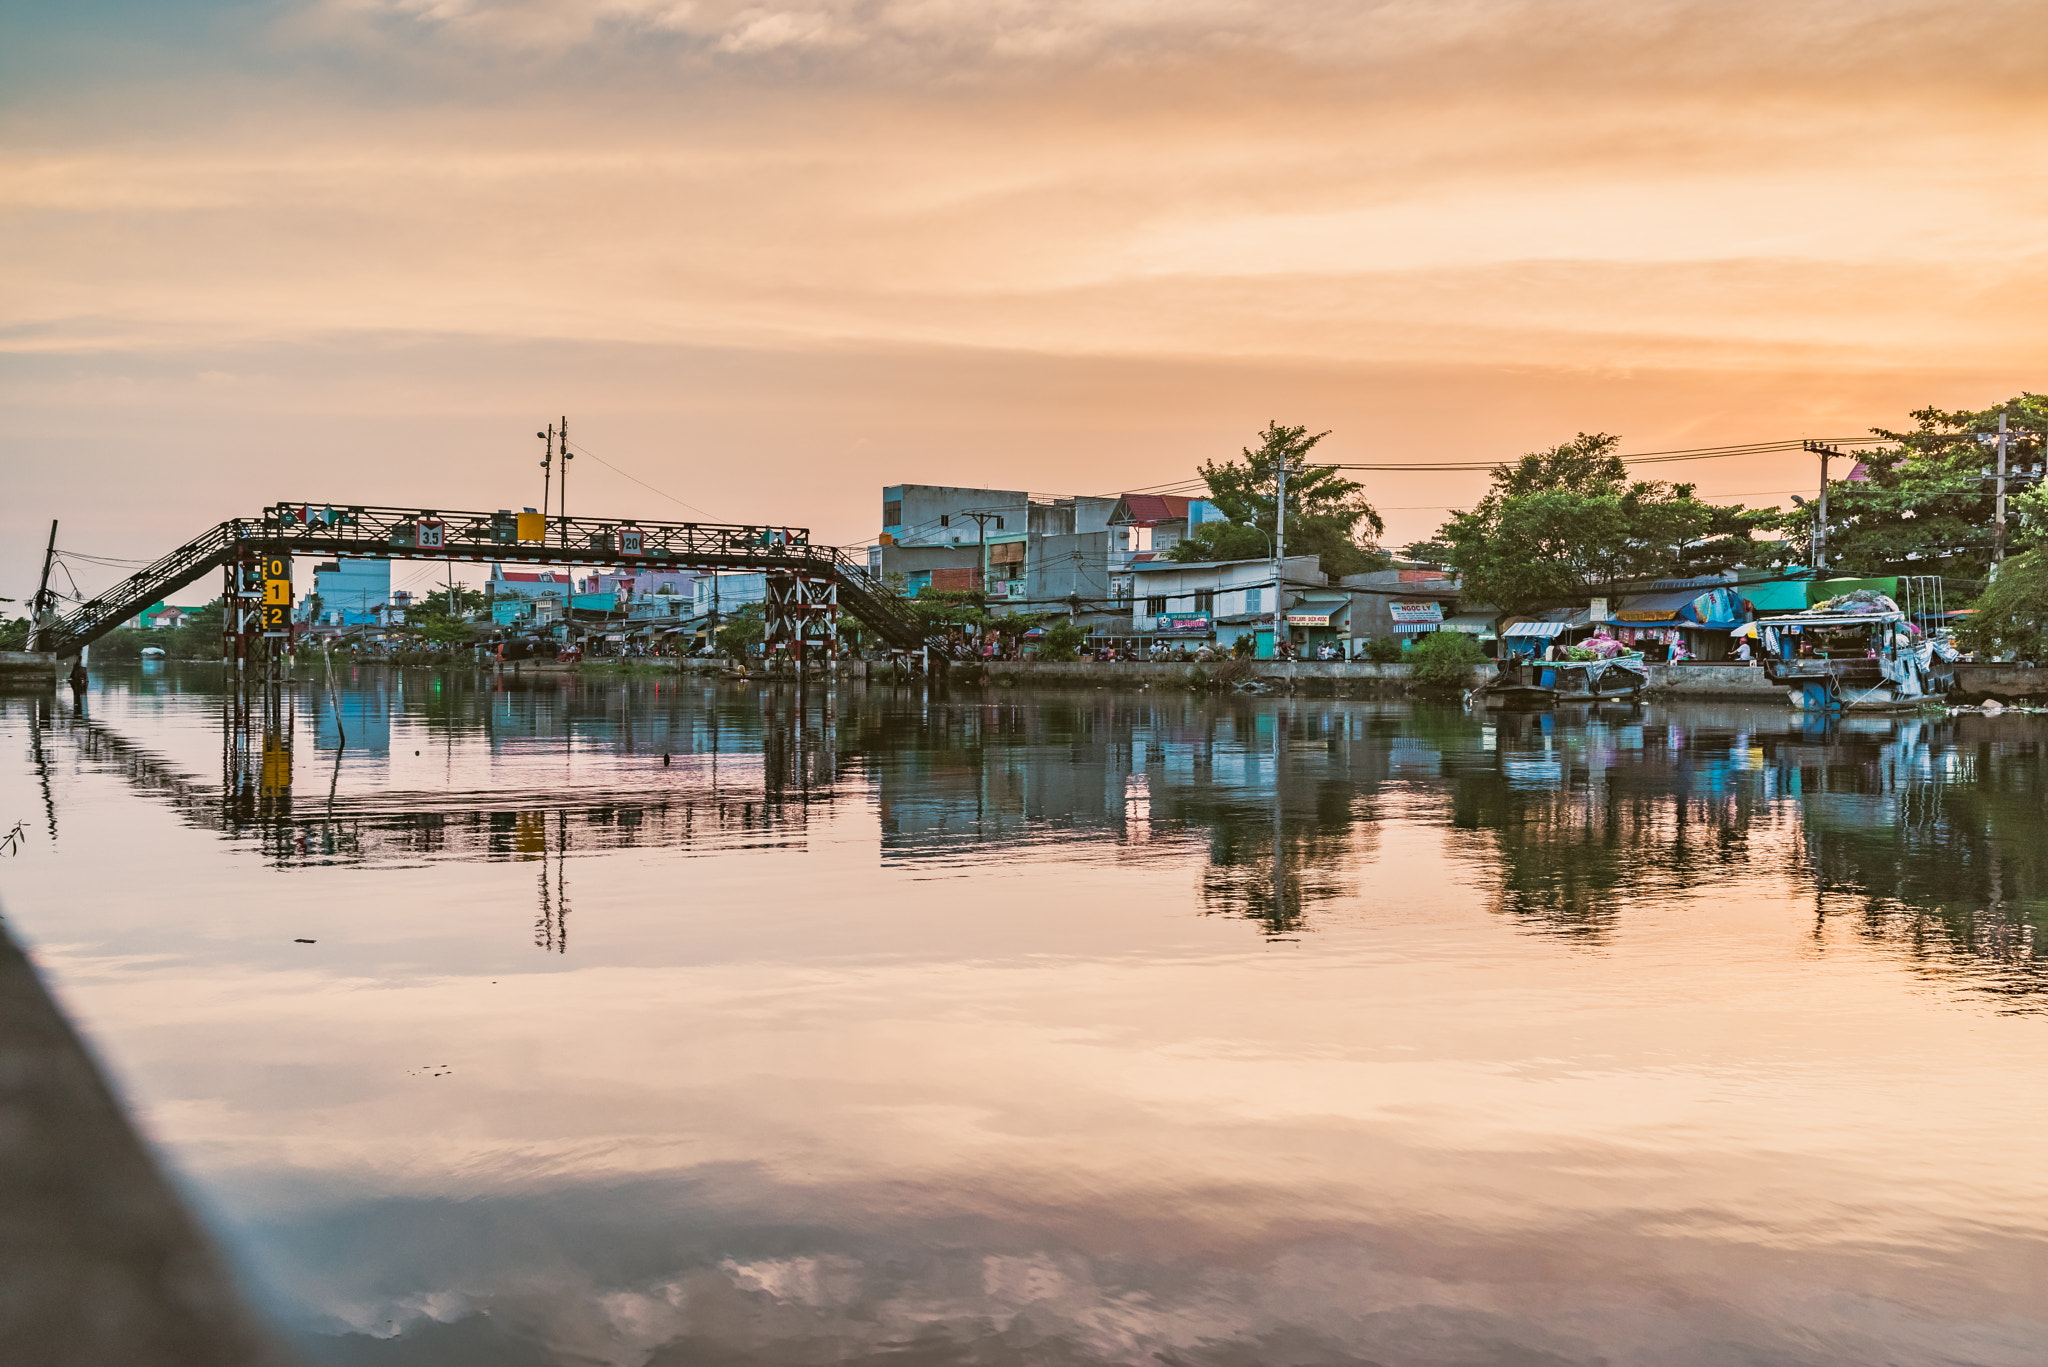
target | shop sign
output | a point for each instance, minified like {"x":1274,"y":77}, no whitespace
{"x":1185,"y":623}
{"x":1417,"y":612}
{"x":1308,"y":619}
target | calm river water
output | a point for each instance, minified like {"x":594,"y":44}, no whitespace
{"x":682,"y":1023}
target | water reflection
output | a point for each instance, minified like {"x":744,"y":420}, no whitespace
{"x":1921,"y":830}
{"x":873,"y":1025}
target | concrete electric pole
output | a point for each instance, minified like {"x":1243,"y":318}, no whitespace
{"x":1280,"y":474}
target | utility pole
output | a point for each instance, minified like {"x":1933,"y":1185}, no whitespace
{"x":981,"y":521}
{"x":547,"y":467}
{"x":1820,"y":529}
{"x":1280,"y":473}
{"x":1998,"y":535}
{"x":567,"y":456}
{"x":37,"y":604}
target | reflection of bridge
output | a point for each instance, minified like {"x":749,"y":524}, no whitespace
{"x":807,"y":585}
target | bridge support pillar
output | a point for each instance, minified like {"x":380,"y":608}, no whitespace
{"x":802,"y":614}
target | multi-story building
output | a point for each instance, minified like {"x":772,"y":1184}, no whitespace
{"x":1144,"y":527}
{"x":1030,"y":552}
{"x":1221,"y":600}
{"x":348,"y":592}
{"x":722,"y":593}
{"x":505,"y":585}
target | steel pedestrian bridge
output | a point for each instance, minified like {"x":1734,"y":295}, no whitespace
{"x":807,"y":585}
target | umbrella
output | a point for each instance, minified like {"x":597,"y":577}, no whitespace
{"x":1746,"y":629}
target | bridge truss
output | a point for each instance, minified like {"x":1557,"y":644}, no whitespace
{"x":808,"y":586}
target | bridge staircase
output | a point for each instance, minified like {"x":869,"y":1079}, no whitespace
{"x":97,"y":616}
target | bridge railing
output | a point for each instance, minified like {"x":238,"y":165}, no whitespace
{"x":420,"y":533}
{"x":103,"y":612}
{"x":380,"y":532}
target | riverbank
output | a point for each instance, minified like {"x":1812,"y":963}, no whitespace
{"x":1354,"y":680}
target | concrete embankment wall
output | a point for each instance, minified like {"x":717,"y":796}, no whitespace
{"x":2004,"y":681}
{"x":1735,"y":681}
{"x":23,"y":666}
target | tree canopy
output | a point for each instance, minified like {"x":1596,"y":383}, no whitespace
{"x":2011,"y":620}
{"x":1569,"y":523}
{"x":1923,"y":505}
{"x":1326,"y":513}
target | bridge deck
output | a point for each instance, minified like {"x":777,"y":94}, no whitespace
{"x":383,"y":533}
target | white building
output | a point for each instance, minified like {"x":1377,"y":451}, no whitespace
{"x":1217,"y":600}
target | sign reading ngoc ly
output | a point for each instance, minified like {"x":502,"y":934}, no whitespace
{"x":1416,"y":612}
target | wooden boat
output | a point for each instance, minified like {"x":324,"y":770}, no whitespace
{"x":1538,"y":684}
{"x":1859,"y":656}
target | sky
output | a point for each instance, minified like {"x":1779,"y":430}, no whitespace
{"x":770,"y":257}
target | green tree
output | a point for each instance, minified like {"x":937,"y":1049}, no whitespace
{"x":1062,"y":641}
{"x":1569,"y":522}
{"x":1924,"y":505}
{"x":467,"y":601}
{"x":1444,"y":659}
{"x":13,"y":633}
{"x":936,"y":608}
{"x":1325,"y":512}
{"x":742,"y":629}
{"x":2011,"y":620}
{"x":199,"y":636}
{"x":438,"y":628}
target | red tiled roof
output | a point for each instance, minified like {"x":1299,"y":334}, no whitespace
{"x":1144,"y":508}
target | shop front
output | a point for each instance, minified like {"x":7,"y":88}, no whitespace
{"x":1319,"y":626}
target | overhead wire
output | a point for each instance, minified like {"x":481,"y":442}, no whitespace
{"x":580,"y":449}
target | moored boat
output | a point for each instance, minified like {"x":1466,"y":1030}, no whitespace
{"x":1537,"y":684}
{"x":1858,"y":653}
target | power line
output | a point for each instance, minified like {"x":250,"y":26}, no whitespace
{"x":583,"y":450}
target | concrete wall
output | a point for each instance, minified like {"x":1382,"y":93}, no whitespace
{"x":1714,"y":681}
{"x":1732,"y":682}
{"x":924,"y":504}
{"x":23,"y":666}
{"x":2002,"y":680}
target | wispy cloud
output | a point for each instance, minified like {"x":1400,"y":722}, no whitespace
{"x":1555,"y":187}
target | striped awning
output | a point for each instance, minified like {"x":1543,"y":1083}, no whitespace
{"x":1539,"y":629}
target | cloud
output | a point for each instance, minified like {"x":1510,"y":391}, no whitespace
{"x":945,"y":39}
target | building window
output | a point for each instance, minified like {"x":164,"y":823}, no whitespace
{"x":1155,"y":606}
{"x":946,"y":519}
{"x":1254,"y":600}
{"x":892,"y":512}
{"x":1205,"y":600}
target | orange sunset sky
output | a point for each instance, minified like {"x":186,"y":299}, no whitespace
{"x":770,"y":257}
